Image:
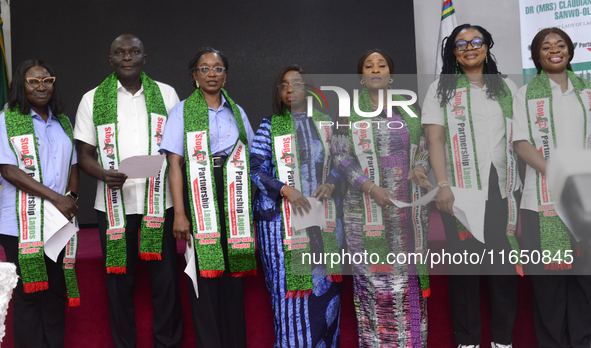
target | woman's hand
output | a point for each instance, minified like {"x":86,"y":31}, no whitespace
{"x":323,"y":191}
{"x":181,"y":229}
{"x":419,"y":175}
{"x":445,"y":200}
{"x":382,"y":196}
{"x":66,"y":206}
{"x":297,"y":200}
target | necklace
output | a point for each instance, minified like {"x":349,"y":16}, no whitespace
{"x":229,"y":131}
{"x":476,"y":82}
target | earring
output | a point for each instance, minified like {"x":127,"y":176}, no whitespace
{"x":391,"y":80}
{"x":223,"y":84}
{"x":197,"y":84}
{"x":362,"y":82}
{"x":486,"y":59}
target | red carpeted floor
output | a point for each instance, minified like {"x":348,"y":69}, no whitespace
{"x":88,"y":325}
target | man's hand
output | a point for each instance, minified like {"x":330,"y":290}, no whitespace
{"x":113,"y":179}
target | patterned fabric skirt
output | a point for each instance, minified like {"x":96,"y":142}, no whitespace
{"x":391,"y":310}
{"x":311,"y":322}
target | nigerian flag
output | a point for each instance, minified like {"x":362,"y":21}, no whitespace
{"x":4,"y":83}
{"x":448,"y":23}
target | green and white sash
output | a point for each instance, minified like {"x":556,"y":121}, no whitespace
{"x":29,"y":208}
{"x":363,"y":141}
{"x":461,"y":145}
{"x":69,"y":269}
{"x":297,"y":242}
{"x":105,"y":120}
{"x":330,"y":243}
{"x":204,"y":200}
{"x":554,"y":234}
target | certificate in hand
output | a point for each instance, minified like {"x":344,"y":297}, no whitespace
{"x":140,"y":167}
{"x":314,"y":217}
{"x":57,"y":230}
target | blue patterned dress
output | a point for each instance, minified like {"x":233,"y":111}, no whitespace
{"x":391,"y":310}
{"x":312,"y":321}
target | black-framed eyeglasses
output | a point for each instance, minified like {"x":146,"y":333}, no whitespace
{"x":296,"y":85}
{"x":476,"y":43}
{"x":204,"y":70}
{"x":35,"y":82}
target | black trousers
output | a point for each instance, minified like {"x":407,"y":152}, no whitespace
{"x":464,"y":280}
{"x":38,"y":318}
{"x":167,"y":323}
{"x":218,"y":313}
{"x":562,"y":300}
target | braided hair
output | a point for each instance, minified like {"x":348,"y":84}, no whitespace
{"x":450,"y":72}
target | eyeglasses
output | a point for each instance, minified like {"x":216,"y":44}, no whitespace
{"x":297,"y":85}
{"x":476,"y":43}
{"x":204,"y":70}
{"x":36,"y":83}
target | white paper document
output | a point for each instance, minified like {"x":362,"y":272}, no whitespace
{"x":468,"y":207}
{"x":139,"y":167}
{"x":422,"y":201}
{"x":57,"y":230}
{"x":191,"y":269}
{"x":564,"y":164}
{"x":315,"y":217}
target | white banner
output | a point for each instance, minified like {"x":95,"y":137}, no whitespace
{"x":572,"y":16}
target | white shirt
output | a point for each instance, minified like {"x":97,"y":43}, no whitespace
{"x":489,"y":131}
{"x":569,"y":122}
{"x":132,"y":138}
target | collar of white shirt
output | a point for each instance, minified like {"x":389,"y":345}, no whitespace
{"x":555,"y":86}
{"x":121,"y":88}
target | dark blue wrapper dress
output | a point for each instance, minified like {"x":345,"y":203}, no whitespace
{"x":311,"y":321}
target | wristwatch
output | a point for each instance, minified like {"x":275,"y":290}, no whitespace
{"x":72,"y":195}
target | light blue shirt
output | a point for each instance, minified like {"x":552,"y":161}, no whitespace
{"x":54,"y":148}
{"x":221,"y":122}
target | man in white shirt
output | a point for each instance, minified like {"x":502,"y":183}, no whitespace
{"x":129,"y":105}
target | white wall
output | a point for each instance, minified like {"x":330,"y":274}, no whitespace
{"x":7,"y":34}
{"x":499,"y":17}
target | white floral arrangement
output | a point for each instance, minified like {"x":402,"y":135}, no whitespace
{"x":8,"y":280}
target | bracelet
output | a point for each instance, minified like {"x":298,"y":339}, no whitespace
{"x":369,"y":191}
{"x":443,"y":184}
{"x":281,"y":191}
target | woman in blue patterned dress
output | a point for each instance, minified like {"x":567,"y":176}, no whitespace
{"x":307,"y":307}
{"x":378,"y":161}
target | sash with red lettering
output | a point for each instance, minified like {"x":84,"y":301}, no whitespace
{"x":105,"y":120}
{"x":461,"y":145}
{"x":205,"y":205}
{"x":554,"y":234}
{"x":363,"y":141}
{"x":29,"y":208}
